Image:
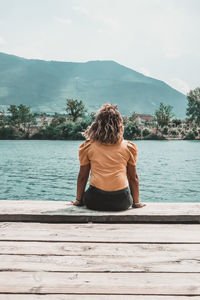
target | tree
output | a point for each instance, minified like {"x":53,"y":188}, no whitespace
{"x":193,"y":108}
{"x":164,"y":114}
{"x":133,"y":117}
{"x":176,"y":122}
{"x":26,"y":117}
{"x":145,"y":132}
{"x":43,"y":117}
{"x":154,"y":136}
{"x":165,"y":130}
{"x":131,"y":130}
{"x":7,"y":133}
{"x":173,"y":132}
{"x":13,"y":118}
{"x":125,"y":119}
{"x":92,"y":116}
{"x":190,"y":136}
{"x":75,"y":109}
{"x":2,"y":118}
{"x":78,"y":128}
{"x":21,"y":117}
{"x":57,"y":120}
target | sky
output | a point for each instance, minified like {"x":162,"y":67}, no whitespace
{"x":159,"y":38}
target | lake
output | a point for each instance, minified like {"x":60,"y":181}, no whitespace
{"x":168,"y":171}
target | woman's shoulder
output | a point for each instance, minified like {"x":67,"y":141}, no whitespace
{"x":130,"y":145}
{"x":83,"y":152}
{"x":132,"y":152}
{"x":85,"y":144}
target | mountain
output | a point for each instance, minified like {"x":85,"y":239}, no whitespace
{"x":45,"y":85}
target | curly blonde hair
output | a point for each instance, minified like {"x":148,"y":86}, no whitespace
{"x":107,"y":127}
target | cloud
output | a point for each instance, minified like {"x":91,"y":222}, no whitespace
{"x":100,"y":30}
{"x":80,"y":9}
{"x":179,"y":85}
{"x":95,"y":15}
{"x":109,"y":21}
{"x":172,"y":53}
{"x":2,"y":41}
{"x":157,"y":38}
{"x":64,"y":21}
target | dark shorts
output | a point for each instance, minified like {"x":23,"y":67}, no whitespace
{"x":97,"y":199}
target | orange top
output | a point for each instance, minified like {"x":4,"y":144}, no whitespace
{"x":108,"y":163}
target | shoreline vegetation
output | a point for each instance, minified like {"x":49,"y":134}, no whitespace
{"x":19,"y":123}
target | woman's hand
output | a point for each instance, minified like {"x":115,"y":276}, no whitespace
{"x":138,"y":205}
{"x":77,"y":203}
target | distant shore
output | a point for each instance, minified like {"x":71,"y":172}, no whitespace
{"x":21,"y":124}
{"x":134,"y":139}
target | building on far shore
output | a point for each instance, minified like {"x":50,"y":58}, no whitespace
{"x":143,"y":119}
{"x":45,"y":120}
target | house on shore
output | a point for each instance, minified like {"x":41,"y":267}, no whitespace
{"x":145,"y":119}
{"x":44,"y":120}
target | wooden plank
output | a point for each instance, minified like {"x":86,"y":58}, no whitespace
{"x":119,"y":233}
{"x":62,"y":211}
{"x":100,"y":283}
{"x":98,"y":249}
{"x":93,"y":297}
{"x":99,"y":257}
{"x":151,"y":262}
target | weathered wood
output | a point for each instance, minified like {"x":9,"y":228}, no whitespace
{"x":100,"y":283}
{"x":120,"y":233}
{"x":98,"y":249}
{"x":64,"y":212}
{"x":93,"y":297}
{"x":140,"y":262}
{"x":99,"y":261}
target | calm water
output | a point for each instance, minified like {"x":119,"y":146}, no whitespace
{"x":169,"y":171}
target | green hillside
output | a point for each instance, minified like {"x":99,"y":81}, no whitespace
{"x":45,"y":85}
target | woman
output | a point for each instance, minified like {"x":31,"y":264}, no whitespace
{"x":114,"y":183}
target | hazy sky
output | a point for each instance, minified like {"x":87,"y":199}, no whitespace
{"x":159,"y":38}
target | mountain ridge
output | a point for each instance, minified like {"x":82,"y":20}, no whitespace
{"x":45,"y":85}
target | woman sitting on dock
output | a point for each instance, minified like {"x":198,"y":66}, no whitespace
{"x":114,"y":183}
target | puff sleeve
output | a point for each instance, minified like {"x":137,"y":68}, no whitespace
{"x":83,"y":153}
{"x":133,"y":151}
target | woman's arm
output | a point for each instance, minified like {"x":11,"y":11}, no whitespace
{"x":81,"y":182}
{"x":134,"y":184}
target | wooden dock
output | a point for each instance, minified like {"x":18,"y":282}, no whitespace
{"x":53,"y":250}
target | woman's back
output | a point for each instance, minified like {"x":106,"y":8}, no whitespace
{"x":108,"y":162}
